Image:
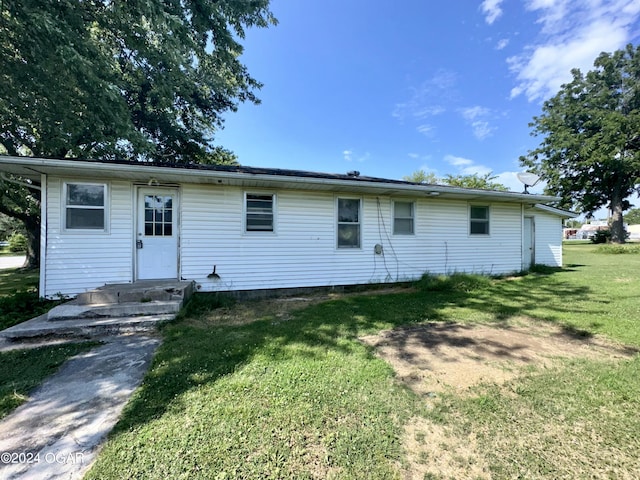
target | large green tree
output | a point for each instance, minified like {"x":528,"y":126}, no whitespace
{"x":590,"y":151}
{"x":632,"y":217}
{"x":109,"y":79}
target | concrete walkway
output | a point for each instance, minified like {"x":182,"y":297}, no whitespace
{"x":12,"y":261}
{"x":58,"y":432}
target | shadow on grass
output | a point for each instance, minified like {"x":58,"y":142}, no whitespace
{"x":197,"y":351}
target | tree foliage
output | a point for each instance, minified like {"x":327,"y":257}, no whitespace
{"x":420,"y":176}
{"x":118,"y":79}
{"x":632,"y":217}
{"x":590,"y":151}
{"x":475,"y":181}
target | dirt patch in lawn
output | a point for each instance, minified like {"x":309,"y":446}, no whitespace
{"x":435,"y":357}
{"x":447,"y":357}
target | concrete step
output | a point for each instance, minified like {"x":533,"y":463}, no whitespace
{"x":71,"y":310}
{"x":112,"y":309}
{"x":138,"y":292}
{"x":82,"y":328}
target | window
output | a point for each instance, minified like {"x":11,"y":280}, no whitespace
{"x":158,"y":215}
{"x":84,"y":206}
{"x":259,"y":213}
{"x":348,"y":223}
{"x":403,"y":213}
{"x":479,"y":220}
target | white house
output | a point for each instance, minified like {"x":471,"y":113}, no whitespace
{"x":240,"y":228}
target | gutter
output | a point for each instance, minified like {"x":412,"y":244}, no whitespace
{"x":151,"y":170}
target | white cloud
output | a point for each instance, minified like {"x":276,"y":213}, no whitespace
{"x":573,"y":33}
{"x":481,"y":129}
{"x":350,"y":156}
{"x":502,"y":44}
{"x":429,"y":98}
{"x":458,"y":161}
{"x":476,"y":117}
{"x":426,"y":130}
{"x":472,"y":113}
{"x":466,"y":166}
{"x":491,"y":10}
{"x":423,"y":158}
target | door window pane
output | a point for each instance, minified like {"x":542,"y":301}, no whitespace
{"x":158,"y":215}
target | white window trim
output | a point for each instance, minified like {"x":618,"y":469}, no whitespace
{"x":413,"y":217}
{"x":274,"y":211}
{"x":337,"y":222}
{"x":488,"y":221}
{"x":105,"y":208}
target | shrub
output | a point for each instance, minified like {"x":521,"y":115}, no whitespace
{"x":23,"y":306}
{"x":203,"y":303}
{"x":457,"y":282}
{"x":601,"y":236}
{"x":17,"y":243}
{"x":616,"y":249}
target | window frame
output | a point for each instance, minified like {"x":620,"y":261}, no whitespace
{"x":481,"y":221}
{"x":412,"y":203}
{"x":104,"y":207}
{"x":246,"y":213}
{"x":358,"y":223}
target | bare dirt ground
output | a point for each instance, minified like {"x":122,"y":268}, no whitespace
{"x":448,"y":357}
{"x":435,"y":357}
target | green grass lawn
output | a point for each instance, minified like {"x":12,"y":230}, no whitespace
{"x":19,"y":300}
{"x":298,"y":396}
{"x":23,"y":370}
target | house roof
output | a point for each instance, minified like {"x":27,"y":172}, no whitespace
{"x":250,"y":177}
{"x":555,"y":211}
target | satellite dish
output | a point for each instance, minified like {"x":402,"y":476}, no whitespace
{"x":528,"y":179}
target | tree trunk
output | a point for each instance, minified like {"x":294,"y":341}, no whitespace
{"x":617,"y":225}
{"x":33,"y":244}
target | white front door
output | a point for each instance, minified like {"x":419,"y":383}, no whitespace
{"x":157,"y":234}
{"x":528,"y":243}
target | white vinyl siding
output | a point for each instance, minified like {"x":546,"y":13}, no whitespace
{"x":78,"y":260}
{"x":303,"y":253}
{"x":548,"y":238}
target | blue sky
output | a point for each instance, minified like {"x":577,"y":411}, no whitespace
{"x":391,"y":87}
